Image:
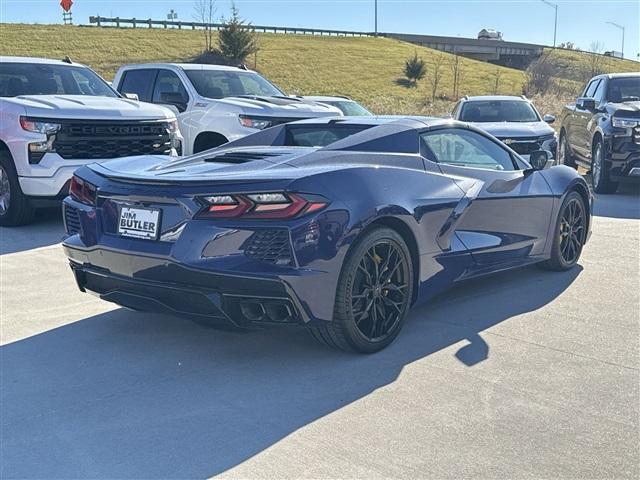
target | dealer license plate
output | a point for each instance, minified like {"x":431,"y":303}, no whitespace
{"x":139,"y":222}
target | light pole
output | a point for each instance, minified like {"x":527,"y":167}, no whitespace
{"x":555,"y":23}
{"x":621,"y":27}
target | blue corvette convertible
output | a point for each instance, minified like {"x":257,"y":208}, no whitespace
{"x":339,"y":225}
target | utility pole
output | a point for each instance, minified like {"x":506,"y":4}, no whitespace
{"x":376,"y":16}
{"x":555,"y":23}
{"x":621,"y":27}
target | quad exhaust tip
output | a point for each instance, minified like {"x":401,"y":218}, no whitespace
{"x":267,"y":311}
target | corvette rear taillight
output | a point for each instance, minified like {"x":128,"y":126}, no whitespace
{"x":82,"y":191}
{"x":260,"y":206}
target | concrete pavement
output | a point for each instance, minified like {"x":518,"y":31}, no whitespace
{"x":522,"y":375}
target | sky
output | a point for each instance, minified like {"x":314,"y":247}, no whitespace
{"x":582,"y":22}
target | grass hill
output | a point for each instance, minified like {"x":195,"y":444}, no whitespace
{"x":364,"y":68}
{"x":577,"y":66}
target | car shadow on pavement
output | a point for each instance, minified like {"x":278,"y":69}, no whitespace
{"x":623,"y":204}
{"x":46,"y":229}
{"x":130,"y":395}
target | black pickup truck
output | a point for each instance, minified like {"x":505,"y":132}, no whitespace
{"x":601,"y":131}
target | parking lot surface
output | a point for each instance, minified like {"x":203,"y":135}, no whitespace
{"x":524,"y":374}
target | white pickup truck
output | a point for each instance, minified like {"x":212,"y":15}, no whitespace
{"x":58,"y":115}
{"x":216,"y":104}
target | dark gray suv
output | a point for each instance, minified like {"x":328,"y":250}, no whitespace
{"x":513,"y":120}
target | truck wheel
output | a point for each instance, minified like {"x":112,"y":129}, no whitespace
{"x":15,"y":208}
{"x":600,"y":174}
{"x":564,"y":152}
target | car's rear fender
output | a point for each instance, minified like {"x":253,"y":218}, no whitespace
{"x":417,"y":204}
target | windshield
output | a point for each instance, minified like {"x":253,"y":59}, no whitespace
{"x":625,"y":89}
{"x":498,"y":111}
{"x":320,"y":135}
{"x":221,"y":84}
{"x":43,"y":79}
{"x":351,"y":109}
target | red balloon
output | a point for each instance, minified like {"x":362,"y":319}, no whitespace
{"x":66,"y":5}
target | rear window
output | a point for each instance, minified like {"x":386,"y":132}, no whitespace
{"x":320,"y":135}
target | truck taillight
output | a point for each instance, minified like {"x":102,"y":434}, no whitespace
{"x":260,"y":206}
{"x":82,"y":191}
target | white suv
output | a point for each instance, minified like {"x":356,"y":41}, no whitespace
{"x":58,"y":115}
{"x":215,"y":104}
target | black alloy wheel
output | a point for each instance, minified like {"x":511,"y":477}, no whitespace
{"x":572,"y":226}
{"x":374,"y":294}
{"x":571,"y":234}
{"x":379,"y":290}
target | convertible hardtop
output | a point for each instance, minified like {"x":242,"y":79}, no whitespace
{"x":385,"y":141}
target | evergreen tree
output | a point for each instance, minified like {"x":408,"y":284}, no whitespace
{"x":236,"y":40}
{"x":415,"y":69}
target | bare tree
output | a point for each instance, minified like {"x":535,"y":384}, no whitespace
{"x":204,"y":12}
{"x":456,"y":71}
{"x":595,"y":62}
{"x":436,"y":74}
{"x":496,"y":84}
{"x":540,"y":75}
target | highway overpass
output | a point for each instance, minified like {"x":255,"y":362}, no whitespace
{"x":510,"y":54}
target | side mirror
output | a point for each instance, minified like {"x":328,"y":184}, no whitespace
{"x":586,"y":103}
{"x":549,"y":118}
{"x":174,"y":98}
{"x":131,"y":96}
{"x":540,"y":159}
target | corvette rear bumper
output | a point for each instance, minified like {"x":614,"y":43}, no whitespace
{"x":234,"y":306}
{"x":176,"y":289}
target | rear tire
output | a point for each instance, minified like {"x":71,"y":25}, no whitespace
{"x":569,"y":234}
{"x":374,"y":294}
{"x":564,"y":152}
{"x":15,"y":208}
{"x":600,"y":171}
